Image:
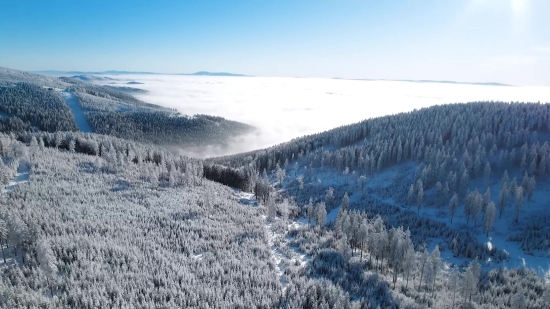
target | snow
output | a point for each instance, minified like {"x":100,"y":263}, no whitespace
{"x":245,"y":197}
{"x":331,"y":216}
{"x":78,"y":114}
{"x":22,"y":176}
{"x":4,"y":115}
{"x":283,"y":108}
{"x":498,"y":237}
{"x":278,"y":241}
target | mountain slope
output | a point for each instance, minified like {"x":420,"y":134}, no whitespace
{"x":108,"y":110}
{"x":421,"y":159}
{"x":114,"y":231}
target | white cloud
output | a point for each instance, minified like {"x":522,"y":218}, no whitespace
{"x":286,"y":108}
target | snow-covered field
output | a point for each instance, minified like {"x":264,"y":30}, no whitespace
{"x":284,"y":108}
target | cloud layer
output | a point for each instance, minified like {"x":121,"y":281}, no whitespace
{"x":286,"y":108}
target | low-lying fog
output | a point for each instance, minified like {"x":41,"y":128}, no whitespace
{"x":286,"y":108}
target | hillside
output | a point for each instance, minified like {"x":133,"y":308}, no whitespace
{"x":34,"y":102}
{"x":95,"y":212}
{"x":467,"y":179}
{"x":122,"y":229}
{"x":422,"y":159}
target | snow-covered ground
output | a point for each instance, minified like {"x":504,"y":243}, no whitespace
{"x":498,"y":237}
{"x":78,"y":114}
{"x":4,"y":115}
{"x":278,"y":239}
{"x":22,"y":176}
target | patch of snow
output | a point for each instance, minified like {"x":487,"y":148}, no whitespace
{"x":331,"y":216}
{"x":4,"y":115}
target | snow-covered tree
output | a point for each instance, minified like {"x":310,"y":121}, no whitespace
{"x":487,"y":173}
{"x":345,"y":201}
{"x":410,"y":195}
{"x":502,"y":196}
{"x":280,"y":174}
{"x":531,"y":184}
{"x":420,"y":196}
{"x":519,"y":201}
{"x":453,"y":205}
{"x":320,"y":215}
{"x":310,"y":212}
{"x":362,"y":181}
{"x":489,"y":218}
{"x":329,"y":196}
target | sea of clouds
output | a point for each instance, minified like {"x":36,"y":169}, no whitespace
{"x":285,"y":108}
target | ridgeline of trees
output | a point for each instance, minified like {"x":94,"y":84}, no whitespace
{"x":35,"y":106}
{"x":106,"y":92}
{"x":166,"y":128}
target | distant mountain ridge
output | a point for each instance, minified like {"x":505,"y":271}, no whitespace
{"x":116,"y":72}
{"x":431,"y":81}
{"x":205,"y":73}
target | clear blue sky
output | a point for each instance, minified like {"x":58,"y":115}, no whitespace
{"x":465,"y":40}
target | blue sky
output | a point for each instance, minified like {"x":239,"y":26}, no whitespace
{"x":465,"y":40}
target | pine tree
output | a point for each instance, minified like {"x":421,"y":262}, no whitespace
{"x":320,"y":215}
{"x":410,"y":196}
{"x":487,"y":173}
{"x":362,"y":180}
{"x":519,"y":201}
{"x":310,"y":212}
{"x":345,"y":202}
{"x":502,"y":196}
{"x":453,"y":205}
{"x":489,"y":218}
{"x":454,"y":283}
{"x":420,"y":196}
{"x":504,"y":178}
{"x":3,"y":236}
{"x":531,"y":188}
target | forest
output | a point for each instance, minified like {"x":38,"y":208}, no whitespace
{"x":33,"y":102}
{"x":391,"y":212}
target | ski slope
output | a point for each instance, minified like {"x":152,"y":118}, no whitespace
{"x":78,"y":114}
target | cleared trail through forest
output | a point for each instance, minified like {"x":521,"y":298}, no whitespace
{"x":278,"y":239}
{"x":21,"y":176}
{"x":78,"y":114}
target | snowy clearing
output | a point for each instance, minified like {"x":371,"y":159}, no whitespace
{"x":22,"y":176}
